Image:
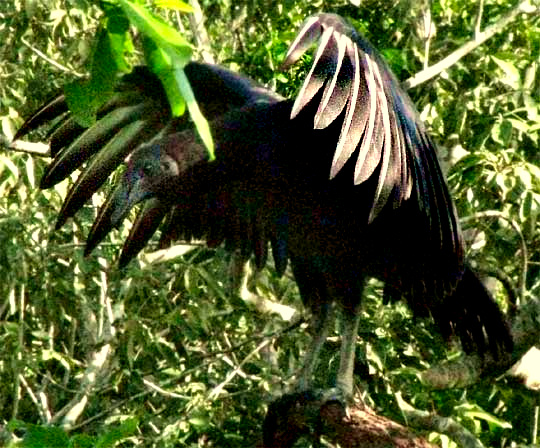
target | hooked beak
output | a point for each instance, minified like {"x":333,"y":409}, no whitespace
{"x":129,"y":193}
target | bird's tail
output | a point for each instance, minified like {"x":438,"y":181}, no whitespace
{"x":472,"y":314}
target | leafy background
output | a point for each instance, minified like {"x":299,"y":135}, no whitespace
{"x":159,"y":354}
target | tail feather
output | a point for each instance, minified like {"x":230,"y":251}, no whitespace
{"x":472,"y":314}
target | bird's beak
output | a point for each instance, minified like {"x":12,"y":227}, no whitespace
{"x":130,"y":192}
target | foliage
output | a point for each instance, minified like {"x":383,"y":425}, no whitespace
{"x":162,"y":345}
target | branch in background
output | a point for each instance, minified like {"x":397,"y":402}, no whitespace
{"x":478,"y":24}
{"x":216,"y":391}
{"x":469,"y":369}
{"x":51,"y":61}
{"x":98,"y":332}
{"x":35,"y":149}
{"x":200,"y":35}
{"x":525,"y":7}
{"x":92,"y":376}
{"x":428,"y":422}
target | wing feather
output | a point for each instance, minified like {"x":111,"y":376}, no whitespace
{"x":101,"y":166}
{"x":147,"y":222}
{"x":317,"y":74}
{"x":335,"y":94}
{"x":354,"y":121}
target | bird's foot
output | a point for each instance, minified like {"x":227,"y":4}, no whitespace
{"x":302,"y":414}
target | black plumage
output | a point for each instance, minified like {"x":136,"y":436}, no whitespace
{"x":343,"y":182}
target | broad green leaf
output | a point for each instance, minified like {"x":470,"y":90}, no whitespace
{"x":178,"y":89}
{"x":524,"y":176}
{"x":84,"y":97}
{"x":79,"y":100}
{"x":164,"y":35}
{"x":82,"y":441}
{"x":161,"y":64}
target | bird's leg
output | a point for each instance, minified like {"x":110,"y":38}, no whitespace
{"x":321,"y":319}
{"x":238,"y":272}
{"x":344,"y":380}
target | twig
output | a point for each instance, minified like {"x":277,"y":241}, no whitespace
{"x":480,"y":37}
{"x":200,"y":35}
{"x":43,"y":412}
{"x":478,"y":24}
{"x":208,"y":361}
{"x":428,"y":33}
{"x":20,"y":340}
{"x":51,"y":61}
{"x":217,"y":390}
{"x":164,"y":392}
{"x":426,"y":421}
{"x":36,"y":149}
{"x":74,"y":409}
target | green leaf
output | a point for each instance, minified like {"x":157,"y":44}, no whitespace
{"x":120,"y":41}
{"x":80,"y":103}
{"x":82,"y":441}
{"x":164,"y":35}
{"x":85,"y":97}
{"x":201,"y":123}
{"x":512,"y":77}
{"x":174,"y":4}
{"x":531,"y":105}
{"x":178,"y":89}
{"x":519,"y":125}
{"x":114,"y":435}
{"x":44,"y":437}
{"x":474,"y":411}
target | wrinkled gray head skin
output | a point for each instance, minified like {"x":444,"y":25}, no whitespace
{"x":152,"y":169}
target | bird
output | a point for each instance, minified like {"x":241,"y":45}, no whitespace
{"x":341,"y":182}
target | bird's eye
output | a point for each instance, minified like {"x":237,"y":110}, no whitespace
{"x":147,"y":169}
{"x":165,"y":166}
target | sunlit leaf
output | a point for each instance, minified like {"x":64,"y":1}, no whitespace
{"x":512,"y":77}
{"x":174,"y":4}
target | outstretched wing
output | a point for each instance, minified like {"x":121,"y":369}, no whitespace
{"x":380,"y":126}
{"x":137,"y":112}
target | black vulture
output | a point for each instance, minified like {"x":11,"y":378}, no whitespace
{"x":343,"y":182}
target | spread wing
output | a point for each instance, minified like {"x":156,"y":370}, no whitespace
{"x":380,"y":126}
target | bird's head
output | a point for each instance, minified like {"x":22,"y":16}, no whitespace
{"x":158,"y":168}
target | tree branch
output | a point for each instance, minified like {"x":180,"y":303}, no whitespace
{"x":480,"y":37}
{"x":35,"y":149}
{"x":469,"y":369}
{"x":200,"y":35}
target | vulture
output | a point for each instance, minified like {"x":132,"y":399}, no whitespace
{"x":342,"y":183}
